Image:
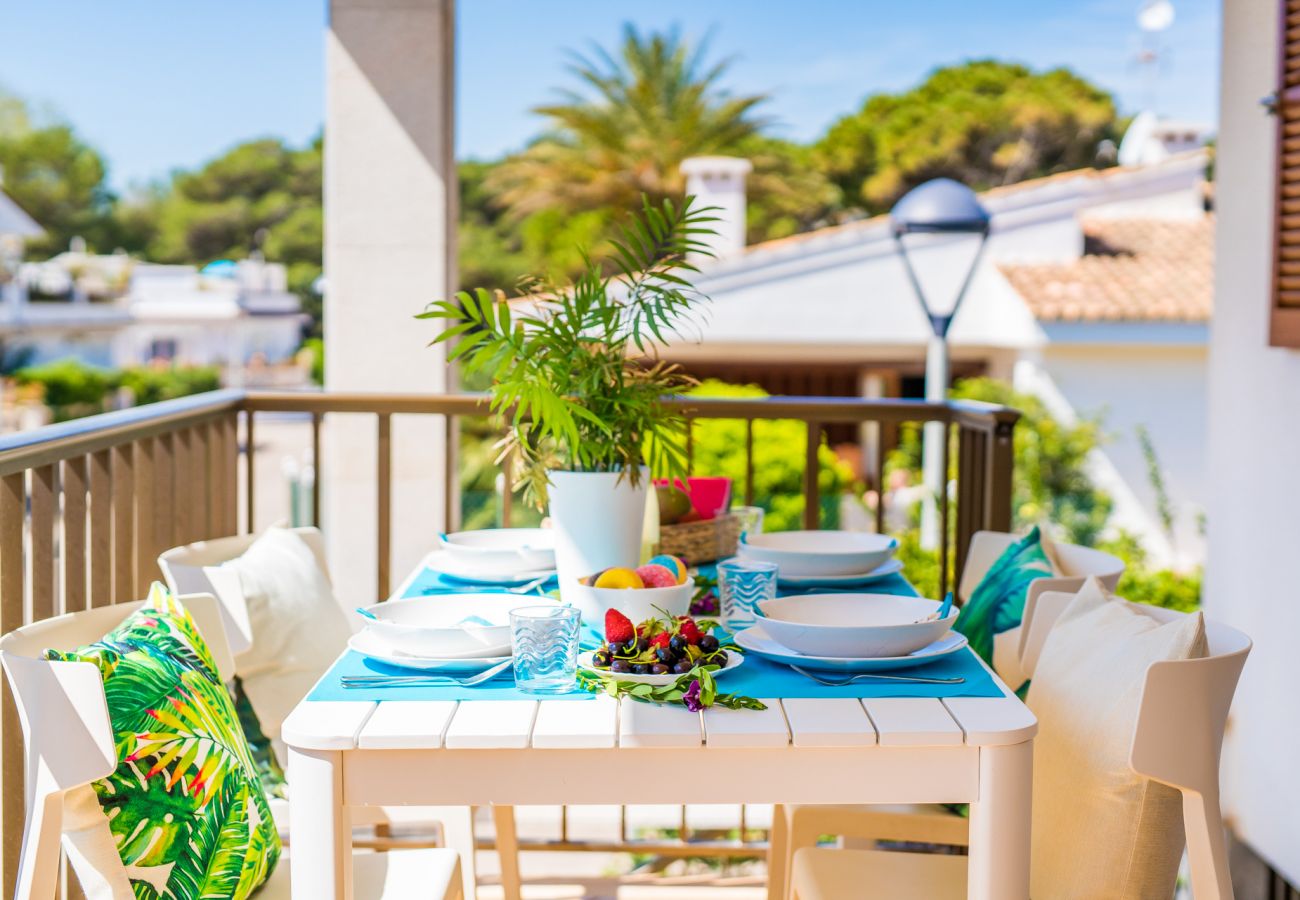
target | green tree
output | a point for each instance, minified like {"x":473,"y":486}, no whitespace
{"x":623,"y":134}
{"x":260,"y":195}
{"x":56,"y":177}
{"x":984,"y":123}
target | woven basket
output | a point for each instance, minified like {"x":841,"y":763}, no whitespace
{"x":701,"y":542}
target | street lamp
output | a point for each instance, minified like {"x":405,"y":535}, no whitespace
{"x":940,"y":206}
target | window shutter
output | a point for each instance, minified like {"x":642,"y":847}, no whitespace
{"x":1284,"y":324}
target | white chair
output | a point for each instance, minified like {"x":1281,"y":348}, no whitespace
{"x":196,"y":568}
{"x":1177,"y":741}
{"x":796,"y":827}
{"x":69,"y":744}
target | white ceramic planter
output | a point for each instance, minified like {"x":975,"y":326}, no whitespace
{"x":597,"y":518}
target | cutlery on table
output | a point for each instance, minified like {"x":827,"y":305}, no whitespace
{"x":379,"y":681}
{"x":853,"y":679}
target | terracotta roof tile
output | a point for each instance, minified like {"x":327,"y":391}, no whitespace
{"x":1137,"y":270}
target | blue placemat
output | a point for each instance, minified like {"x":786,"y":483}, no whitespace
{"x":756,"y":678}
{"x":353,"y":663}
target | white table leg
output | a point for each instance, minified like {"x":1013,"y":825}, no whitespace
{"x":320,"y":830}
{"x":1000,"y":824}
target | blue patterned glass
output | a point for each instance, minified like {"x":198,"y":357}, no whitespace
{"x":545,"y":643}
{"x":742,"y":585}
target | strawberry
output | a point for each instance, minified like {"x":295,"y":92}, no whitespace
{"x":618,"y":628}
{"x":661,"y":639}
{"x":691,"y":632}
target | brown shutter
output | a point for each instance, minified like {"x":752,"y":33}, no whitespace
{"x":1284,"y":325}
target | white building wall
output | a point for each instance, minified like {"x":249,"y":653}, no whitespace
{"x":1161,"y":387}
{"x":1254,"y":433}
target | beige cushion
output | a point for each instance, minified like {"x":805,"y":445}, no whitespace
{"x":297,"y":626}
{"x":1101,"y":831}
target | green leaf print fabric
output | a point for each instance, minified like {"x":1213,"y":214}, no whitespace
{"x":998,"y":602}
{"x":185,"y":805}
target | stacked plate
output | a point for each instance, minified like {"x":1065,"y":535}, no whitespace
{"x":851,"y":632}
{"x":824,"y":558}
{"x":456,"y":634}
{"x":501,"y":557}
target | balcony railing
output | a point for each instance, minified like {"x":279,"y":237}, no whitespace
{"x":87,"y":506}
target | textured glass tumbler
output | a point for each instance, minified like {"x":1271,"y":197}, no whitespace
{"x":742,"y":585}
{"x":751,"y":519}
{"x":545,"y":644}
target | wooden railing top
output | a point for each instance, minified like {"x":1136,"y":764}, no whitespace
{"x":51,"y":443}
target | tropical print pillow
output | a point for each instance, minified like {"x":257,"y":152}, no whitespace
{"x":998,"y":602}
{"x":185,"y":805}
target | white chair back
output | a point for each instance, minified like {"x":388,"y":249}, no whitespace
{"x":67,"y":736}
{"x":196,"y":569}
{"x":1078,"y":564}
{"x":1178,"y":738}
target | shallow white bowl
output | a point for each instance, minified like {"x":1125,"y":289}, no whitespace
{"x":503,"y":550}
{"x":819,"y":553}
{"x":852,"y":625}
{"x":638,"y":604}
{"x":457,"y":626}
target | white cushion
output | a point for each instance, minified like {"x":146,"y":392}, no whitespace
{"x":1099,"y":829}
{"x":298,"y":628}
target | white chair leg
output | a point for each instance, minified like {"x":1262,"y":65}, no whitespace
{"x":38,"y":867}
{"x":507,"y":841}
{"x":1207,"y":847}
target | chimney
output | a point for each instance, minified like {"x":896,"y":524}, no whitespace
{"x":719,"y":182}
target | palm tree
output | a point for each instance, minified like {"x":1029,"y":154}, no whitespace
{"x":628,"y":128}
{"x":623,"y":133}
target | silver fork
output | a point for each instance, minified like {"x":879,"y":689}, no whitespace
{"x":379,"y":681}
{"x":844,"y":682}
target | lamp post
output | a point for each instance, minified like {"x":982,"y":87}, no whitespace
{"x":938,"y":207}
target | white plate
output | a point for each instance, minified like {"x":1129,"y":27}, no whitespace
{"x":798,"y":581}
{"x":447,"y":564}
{"x":503,"y":548}
{"x":734,"y":661}
{"x":371,"y":647}
{"x":854,"y":626}
{"x":819,"y":552}
{"x":755,"y":640}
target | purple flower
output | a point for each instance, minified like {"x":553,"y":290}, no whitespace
{"x":692,"y":697}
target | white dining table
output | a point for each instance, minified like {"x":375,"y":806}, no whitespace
{"x":976,"y":750}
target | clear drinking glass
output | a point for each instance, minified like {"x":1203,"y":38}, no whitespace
{"x":742,"y":585}
{"x":751,"y":519}
{"x":545,"y":644}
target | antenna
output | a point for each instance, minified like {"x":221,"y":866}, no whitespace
{"x":1153,"y":18}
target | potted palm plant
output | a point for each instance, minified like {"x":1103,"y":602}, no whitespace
{"x":575,"y":373}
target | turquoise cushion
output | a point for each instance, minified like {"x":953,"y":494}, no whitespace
{"x":998,"y":602}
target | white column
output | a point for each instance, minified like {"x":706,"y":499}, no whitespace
{"x":934,"y":434}
{"x":389,"y":250}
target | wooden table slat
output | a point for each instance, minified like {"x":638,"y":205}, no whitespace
{"x":992,"y":721}
{"x":746,"y":727}
{"x":828,"y":722}
{"x":913,"y":722}
{"x":647,"y":725}
{"x":491,"y":724}
{"x":407,"y":725}
{"x":576,"y":724}
{"x":326,"y":724}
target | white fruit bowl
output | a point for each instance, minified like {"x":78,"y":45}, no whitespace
{"x":857,"y":626}
{"x":819,"y":553}
{"x":503,"y":549}
{"x":457,"y":626}
{"x":638,"y":604}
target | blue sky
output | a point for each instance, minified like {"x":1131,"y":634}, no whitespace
{"x":157,"y":85}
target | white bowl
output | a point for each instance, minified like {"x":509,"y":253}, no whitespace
{"x":638,"y":604}
{"x":856,"y":626}
{"x":503,"y":549}
{"x":456,"y":626}
{"x":812,"y":553}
